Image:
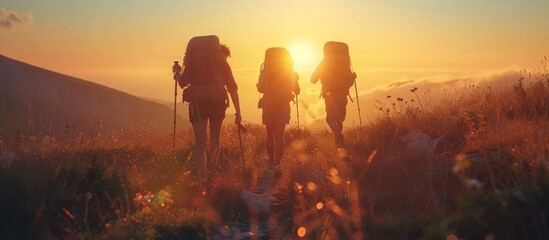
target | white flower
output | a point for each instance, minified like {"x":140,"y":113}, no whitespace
{"x":519,"y":195}
{"x":473,"y":183}
{"x":259,"y":203}
{"x":7,"y":159}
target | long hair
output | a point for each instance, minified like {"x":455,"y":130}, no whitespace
{"x":225,"y":50}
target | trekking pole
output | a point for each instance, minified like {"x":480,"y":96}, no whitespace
{"x":358,"y":103}
{"x":243,"y":129}
{"x":297,"y":109}
{"x":175,"y":69}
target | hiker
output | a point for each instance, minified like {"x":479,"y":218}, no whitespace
{"x":206,"y":78}
{"x":278,"y":83}
{"x":336,"y":77}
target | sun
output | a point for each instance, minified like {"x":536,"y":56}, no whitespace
{"x":304,"y":57}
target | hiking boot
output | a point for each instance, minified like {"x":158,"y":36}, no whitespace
{"x":339,"y":141}
{"x":275,"y":167}
{"x":342,"y":152}
{"x":277,"y":172}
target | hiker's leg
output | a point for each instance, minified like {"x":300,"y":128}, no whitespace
{"x":335,"y":114}
{"x":199,"y":154}
{"x":341,"y":104}
{"x":337,"y":129}
{"x":335,"y":126}
{"x":332,"y":116}
{"x":279,"y":142}
{"x":215,"y":145}
{"x":270,"y":144}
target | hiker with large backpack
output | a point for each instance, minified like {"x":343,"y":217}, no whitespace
{"x":206,"y":79}
{"x":278,"y":83}
{"x":336,"y":76}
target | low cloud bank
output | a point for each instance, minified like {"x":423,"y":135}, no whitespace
{"x":10,"y":18}
{"x":428,"y":89}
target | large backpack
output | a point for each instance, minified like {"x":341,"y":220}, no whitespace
{"x":278,"y":76}
{"x":202,"y":60}
{"x":337,"y":75}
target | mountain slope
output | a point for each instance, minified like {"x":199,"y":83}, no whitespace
{"x":40,"y":99}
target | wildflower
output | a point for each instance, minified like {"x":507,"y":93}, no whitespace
{"x":388,"y":96}
{"x":519,"y":195}
{"x":7,"y":159}
{"x":474,"y":184}
{"x":461,"y":164}
{"x":413,"y":89}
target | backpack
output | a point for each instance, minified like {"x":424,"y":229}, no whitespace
{"x":201,"y":61}
{"x":337,"y":75}
{"x":278,"y":76}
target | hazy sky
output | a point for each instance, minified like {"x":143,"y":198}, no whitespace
{"x":130,"y":44}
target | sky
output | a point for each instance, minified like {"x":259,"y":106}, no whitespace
{"x":130,"y":44}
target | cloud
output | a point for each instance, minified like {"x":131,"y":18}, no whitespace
{"x":51,"y":26}
{"x":431,"y":90}
{"x":398,"y":84}
{"x":10,"y":18}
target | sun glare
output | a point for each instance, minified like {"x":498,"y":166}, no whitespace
{"x":304,"y":57}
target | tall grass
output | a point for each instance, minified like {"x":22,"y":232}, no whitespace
{"x":486,"y":177}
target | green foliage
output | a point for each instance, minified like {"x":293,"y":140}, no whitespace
{"x":517,"y":213}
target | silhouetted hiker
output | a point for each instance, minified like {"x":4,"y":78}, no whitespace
{"x":206,"y":78}
{"x":278,"y":83}
{"x":336,"y":77}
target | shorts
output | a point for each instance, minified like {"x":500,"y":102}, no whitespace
{"x":203,"y":111}
{"x":276,"y":113}
{"x":336,"y":108}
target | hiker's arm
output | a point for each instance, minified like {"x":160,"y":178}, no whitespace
{"x":297,"y":89}
{"x":316,"y":74}
{"x":236,"y":104}
{"x":260,"y":85}
{"x":232,"y":88}
{"x":181,"y":78}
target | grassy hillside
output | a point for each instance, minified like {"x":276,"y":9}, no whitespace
{"x":42,"y":101}
{"x":484,"y":177}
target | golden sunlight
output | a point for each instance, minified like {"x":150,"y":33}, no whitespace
{"x":304,"y":57}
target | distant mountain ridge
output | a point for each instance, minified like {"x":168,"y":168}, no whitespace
{"x":41,"y":99}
